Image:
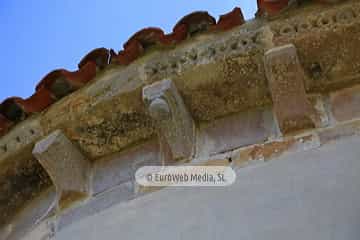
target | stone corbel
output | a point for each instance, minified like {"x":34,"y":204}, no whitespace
{"x":286,"y":79}
{"x":173,"y":120}
{"x":67,"y":167}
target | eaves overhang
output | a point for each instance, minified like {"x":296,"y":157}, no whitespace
{"x":218,"y":75}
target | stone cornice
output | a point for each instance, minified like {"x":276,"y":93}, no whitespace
{"x":216,"y":75}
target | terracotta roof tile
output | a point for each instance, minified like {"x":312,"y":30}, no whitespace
{"x":11,"y":110}
{"x":128,"y":55}
{"x":196,"y":22}
{"x":5,"y":124}
{"x":179,"y":34}
{"x":230,"y":20}
{"x":189,"y":25}
{"x":100,"y":56}
{"x":146,"y":37}
{"x":136,"y":45}
{"x":16,"y":109}
{"x":271,"y":7}
{"x":36,"y":103}
{"x":79,"y":78}
{"x":61,"y":82}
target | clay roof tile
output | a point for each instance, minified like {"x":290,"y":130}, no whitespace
{"x":230,"y":20}
{"x":99,"y":55}
{"x":196,"y":22}
{"x":146,"y":37}
{"x":5,"y":124}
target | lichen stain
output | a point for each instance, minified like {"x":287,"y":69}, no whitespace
{"x":229,"y":86}
{"x":329,"y":54}
{"x":111,"y":126}
{"x":113,"y":134}
{"x":20,"y":182}
{"x":64,"y":111}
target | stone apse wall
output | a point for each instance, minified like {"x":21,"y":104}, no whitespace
{"x":276,"y":99}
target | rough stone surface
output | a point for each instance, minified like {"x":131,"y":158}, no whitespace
{"x":65,"y":164}
{"x":216,"y":74}
{"x":102,"y":126}
{"x":286,"y":81}
{"x":172,"y":117}
{"x":210,"y":71}
{"x":326,"y":43}
{"x":319,"y":104}
{"x":345,"y":103}
{"x":23,"y":135}
{"x":20,"y":182}
{"x":107,"y":116}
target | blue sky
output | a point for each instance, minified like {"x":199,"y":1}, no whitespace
{"x":42,"y":35}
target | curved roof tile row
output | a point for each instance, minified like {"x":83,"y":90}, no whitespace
{"x":62,"y":82}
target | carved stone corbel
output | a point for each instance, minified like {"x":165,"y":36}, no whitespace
{"x":67,"y":167}
{"x":286,"y":79}
{"x":172,"y":118}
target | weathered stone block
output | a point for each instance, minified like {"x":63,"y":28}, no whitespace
{"x":20,"y":137}
{"x":318,"y":103}
{"x":286,"y":81}
{"x":66,"y":165}
{"x":172,"y":118}
{"x":345,"y":103}
{"x":235,"y":131}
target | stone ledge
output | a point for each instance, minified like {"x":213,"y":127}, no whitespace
{"x":217,"y":76}
{"x":125,"y":190}
{"x":235,"y":131}
{"x":210,"y":72}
